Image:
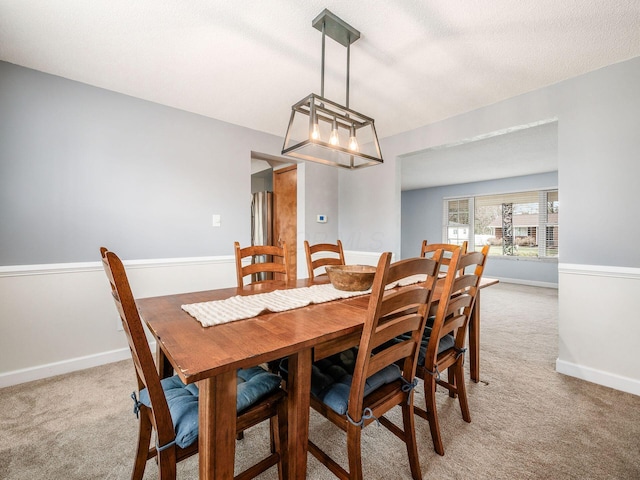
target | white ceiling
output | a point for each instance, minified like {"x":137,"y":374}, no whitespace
{"x":246,"y":62}
{"x":522,"y":150}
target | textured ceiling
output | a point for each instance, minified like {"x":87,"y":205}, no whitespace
{"x":247,"y":62}
{"x":525,"y":150}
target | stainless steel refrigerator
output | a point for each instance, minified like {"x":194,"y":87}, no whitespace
{"x":261,"y":226}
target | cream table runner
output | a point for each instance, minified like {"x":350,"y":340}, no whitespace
{"x":247,"y":306}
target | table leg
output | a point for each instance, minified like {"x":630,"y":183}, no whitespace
{"x":165,"y":369}
{"x":298,"y":398}
{"x":474,"y":340}
{"x":217,"y":426}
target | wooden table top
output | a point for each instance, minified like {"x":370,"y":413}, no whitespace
{"x":198,"y":352}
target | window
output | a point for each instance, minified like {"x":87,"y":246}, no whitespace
{"x":458,"y":221}
{"x":523,"y":224}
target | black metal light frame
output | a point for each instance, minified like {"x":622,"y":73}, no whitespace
{"x":316,"y":109}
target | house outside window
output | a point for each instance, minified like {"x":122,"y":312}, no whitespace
{"x":458,"y":218}
{"x":519,"y":224}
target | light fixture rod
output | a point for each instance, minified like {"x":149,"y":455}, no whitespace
{"x":348,"y":62}
{"x":322,"y":81}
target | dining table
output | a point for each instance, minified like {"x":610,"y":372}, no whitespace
{"x":210,"y":356}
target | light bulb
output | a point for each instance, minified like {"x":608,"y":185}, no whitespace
{"x":333,"y":138}
{"x":353,"y":141}
{"x":315,"y":132}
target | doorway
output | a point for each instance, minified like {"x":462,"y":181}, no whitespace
{"x":269,"y":173}
{"x":285,"y":213}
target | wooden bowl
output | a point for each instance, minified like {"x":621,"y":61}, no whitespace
{"x":351,"y":278}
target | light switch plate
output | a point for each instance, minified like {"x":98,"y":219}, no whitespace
{"x":321,"y":218}
{"x":216,"y":220}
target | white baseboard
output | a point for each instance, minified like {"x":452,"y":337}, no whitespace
{"x":599,"y":377}
{"x":60,"y":368}
{"x":66,"y":366}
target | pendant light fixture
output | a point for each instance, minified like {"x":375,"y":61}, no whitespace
{"x":324,"y":131}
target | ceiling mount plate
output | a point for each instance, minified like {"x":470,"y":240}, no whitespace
{"x":336,"y":28}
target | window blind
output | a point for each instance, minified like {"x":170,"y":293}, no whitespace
{"x":522,"y":224}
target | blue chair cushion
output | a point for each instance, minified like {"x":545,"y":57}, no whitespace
{"x":446,"y":343}
{"x":183,"y":405}
{"x":327,"y":371}
{"x":253,"y":384}
{"x":331,"y":379}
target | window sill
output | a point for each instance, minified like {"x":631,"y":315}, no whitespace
{"x":524,"y":259}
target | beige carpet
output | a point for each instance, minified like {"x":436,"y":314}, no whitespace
{"x":529,"y":422}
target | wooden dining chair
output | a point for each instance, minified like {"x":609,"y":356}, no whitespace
{"x":429,"y":249}
{"x":267,"y":263}
{"x":323,"y":254}
{"x":381,"y":376}
{"x":170,"y":408}
{"x":443,"y":343}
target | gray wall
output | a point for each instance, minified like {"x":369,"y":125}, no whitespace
{"x":320,"y":197}
{"x":262,"y":181}
{"x":422,"y":212}
{"x":598,"y":167}
{"x":82,"y":167}
{"x":369,"y":207}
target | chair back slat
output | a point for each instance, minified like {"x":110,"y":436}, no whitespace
{"x":269,"y":260}
{"x":392,"y":329}
{"x":472,"y":264}
{"x":460,"y":288}
{"x":452,"y":324}
{"x":262,"y":267}
{"x":322,"y":255}
{"x":397,"y":320}
{"x":390,"y":355}
{"x":457,"y":300}
{"x":410,"y":267}
{"x":390,"y":313}
{"x":400,"y":301}
{"x":141,"y":353}
{"x":321,"y":262}
{"x":458,"y":303}
{"x":255,"y":250}
{"x":465,"y":282}
{"x":427,"y":249}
